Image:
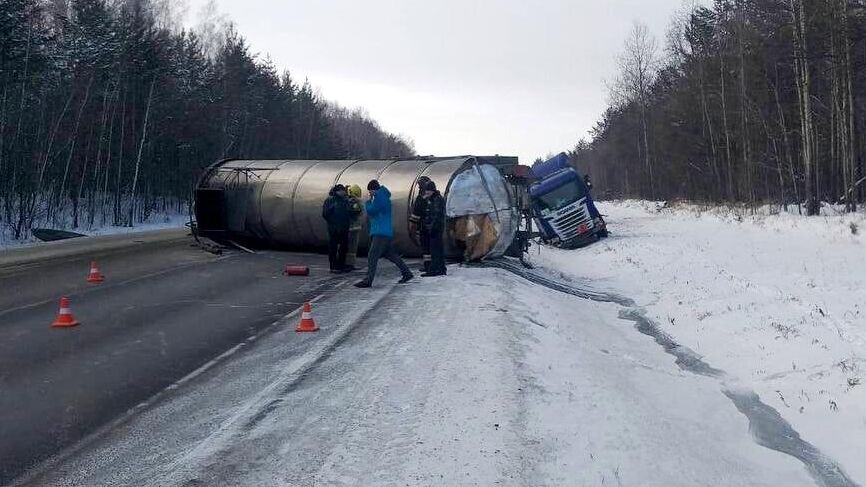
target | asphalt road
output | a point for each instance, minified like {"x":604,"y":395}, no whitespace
{"x":166,"y":309}
{"x":476,"y":379}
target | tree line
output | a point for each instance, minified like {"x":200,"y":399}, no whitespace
{"x":109,"y":111}
{"x":751,"y":101}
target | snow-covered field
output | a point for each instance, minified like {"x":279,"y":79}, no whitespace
{"x":778,"y":302}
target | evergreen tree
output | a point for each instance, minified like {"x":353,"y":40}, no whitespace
{"x":759,"y":101}
{"x":108,"y":112}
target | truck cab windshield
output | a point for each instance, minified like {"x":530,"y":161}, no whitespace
{"x":561,"y":197}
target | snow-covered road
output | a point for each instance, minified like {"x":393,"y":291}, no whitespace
{"x":480,"y":378}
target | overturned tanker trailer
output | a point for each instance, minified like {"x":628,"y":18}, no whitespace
{"x":278,"y":203}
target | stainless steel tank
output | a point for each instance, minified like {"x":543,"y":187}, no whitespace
{"x":280,"y":202}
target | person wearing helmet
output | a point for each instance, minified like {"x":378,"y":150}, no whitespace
{"x":422,"y":236}
{"x":354,"y":227}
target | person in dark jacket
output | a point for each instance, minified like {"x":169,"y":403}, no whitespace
{"x":381,"y":235}
{"x":419,"y":209}
{"x":338,"y":213}
{"x":433,"y":223}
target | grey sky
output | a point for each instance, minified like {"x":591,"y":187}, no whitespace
{"x":513,"y":77}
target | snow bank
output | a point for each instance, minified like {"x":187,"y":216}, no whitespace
{"x":157,"y":221}
{"x":774,"y":299}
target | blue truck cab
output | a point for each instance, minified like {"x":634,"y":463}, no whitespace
{"x":562,"y":205}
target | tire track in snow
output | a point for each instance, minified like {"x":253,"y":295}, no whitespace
{"x":766,"y":425}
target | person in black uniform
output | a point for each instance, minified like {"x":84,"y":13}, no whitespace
{"x":433,"y":223}
{"x":337,"y":212}
{"x":419,"y":209}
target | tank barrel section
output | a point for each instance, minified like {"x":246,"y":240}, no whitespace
{"x":278,"y":203}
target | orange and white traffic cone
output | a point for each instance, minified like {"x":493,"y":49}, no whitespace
{"x":64,"y":317}
{"x":95,"y":276}
{"x":307,"y":324}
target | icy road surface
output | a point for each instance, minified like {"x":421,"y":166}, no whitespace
{"x":480,"y":378}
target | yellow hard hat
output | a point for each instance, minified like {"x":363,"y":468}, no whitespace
{"x":355,"y":191}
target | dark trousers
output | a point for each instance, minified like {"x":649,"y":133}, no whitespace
{"x":424,"y":238}
{"x":338,"y":245}
{"x":383,"y":247}
{"x":437,"y":253}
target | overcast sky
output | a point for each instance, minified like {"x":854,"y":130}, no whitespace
{"x":510,"y":77}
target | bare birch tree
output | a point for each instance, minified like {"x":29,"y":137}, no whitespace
{"x":638,"y":66}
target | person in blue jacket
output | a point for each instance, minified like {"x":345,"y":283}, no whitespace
{"x":381,"y":235}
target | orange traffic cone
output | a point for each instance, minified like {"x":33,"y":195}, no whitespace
{"x":65,"y":318}
{"x":307,"y":323}
{"x":95,"y":276}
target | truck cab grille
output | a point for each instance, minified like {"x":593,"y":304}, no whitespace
{"x":568,"y":221}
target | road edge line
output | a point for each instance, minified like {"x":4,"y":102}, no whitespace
{"x":40,"y":469}
{"x":191,"y":460}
